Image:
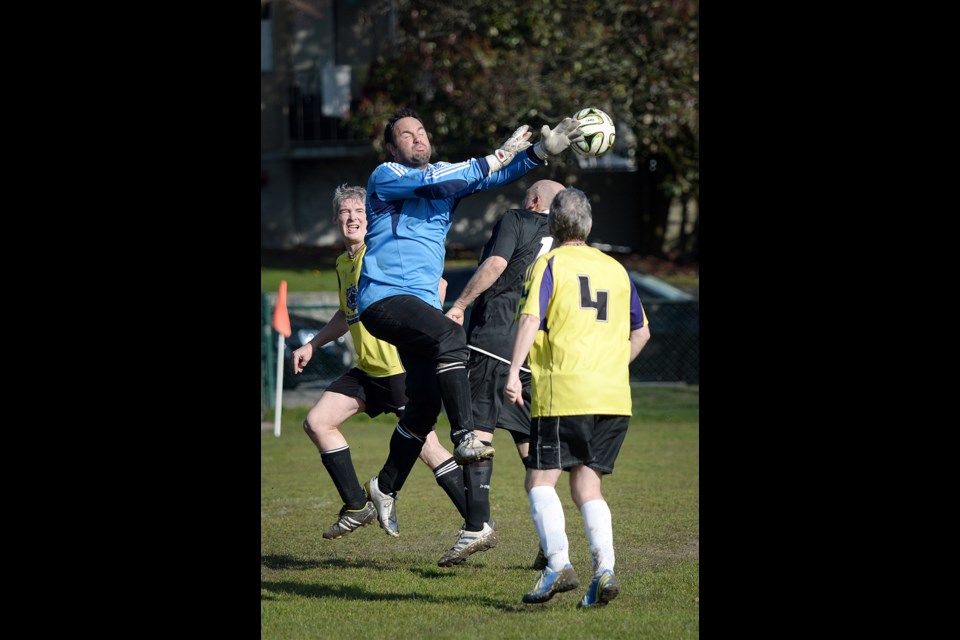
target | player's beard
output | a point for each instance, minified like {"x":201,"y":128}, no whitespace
{"x":418,"y":159}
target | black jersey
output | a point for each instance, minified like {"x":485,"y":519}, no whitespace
{"x":518,"y":237}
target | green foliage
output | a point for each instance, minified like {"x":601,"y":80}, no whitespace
{"x":477,"y":69}
{"x":316,"y":588}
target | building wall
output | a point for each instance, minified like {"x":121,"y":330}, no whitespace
{"x":277,"y":217}
{"x":316,"y":181}
{"x":274,"y":83}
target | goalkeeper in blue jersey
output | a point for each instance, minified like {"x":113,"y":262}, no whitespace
{"x":582,"y":323}
{"x":410,"y":205}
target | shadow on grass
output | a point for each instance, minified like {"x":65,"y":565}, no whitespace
{"x":431,"y":574}
{"x":363,"y":595}
{"x":446,"y":572}
{"x":299,"y":564}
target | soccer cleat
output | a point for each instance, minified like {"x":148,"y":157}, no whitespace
{"x":491,"y":522}
{"x":468,"y":543}
{"x":540,"y":563}
{"x":386,"y":507}
{"x":351,"y":520}
{"x":471,"y":449}
{"x":552,"y":582}
{"x":603,"y":588}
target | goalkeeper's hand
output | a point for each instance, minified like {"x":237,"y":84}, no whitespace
{"x":556,"y":141}
{"x":500,"y":158}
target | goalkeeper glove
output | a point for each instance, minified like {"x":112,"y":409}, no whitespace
{"x":556,"y":141}
{"x":517,"y":142}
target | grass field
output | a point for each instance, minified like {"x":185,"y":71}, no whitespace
{"x":371,"y":585}
{"x":298,"y":280}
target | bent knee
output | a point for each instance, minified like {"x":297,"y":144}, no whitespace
{"x":452,"y":346}
{"x":314,"y":427}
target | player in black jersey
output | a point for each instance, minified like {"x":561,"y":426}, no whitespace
{"x":518,"y":238}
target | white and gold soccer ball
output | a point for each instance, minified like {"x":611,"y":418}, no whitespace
{"x":599,"y":132}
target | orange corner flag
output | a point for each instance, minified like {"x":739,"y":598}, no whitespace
{"x":281,"y":319}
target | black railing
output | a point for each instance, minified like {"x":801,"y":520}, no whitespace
{"x":309,"y":126}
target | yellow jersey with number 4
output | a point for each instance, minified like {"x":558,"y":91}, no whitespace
{"x":587,"y":307}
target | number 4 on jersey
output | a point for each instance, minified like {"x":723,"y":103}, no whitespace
{"x":587,"y":301}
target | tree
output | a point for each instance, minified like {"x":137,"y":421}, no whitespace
{"x":476,"y":69}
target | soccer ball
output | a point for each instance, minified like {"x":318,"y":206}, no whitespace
{"x":598,"y":130}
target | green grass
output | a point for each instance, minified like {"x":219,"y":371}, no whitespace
{"x":370,"y":584}
{"x":298,"y":279}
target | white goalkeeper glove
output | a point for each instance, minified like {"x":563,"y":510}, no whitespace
{"x":500,"y":158}
{"x":556,"y":141}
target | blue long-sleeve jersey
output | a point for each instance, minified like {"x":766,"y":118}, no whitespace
{"x":409,"y":212}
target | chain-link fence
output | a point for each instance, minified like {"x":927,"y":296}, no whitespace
{"x":673,"y":352}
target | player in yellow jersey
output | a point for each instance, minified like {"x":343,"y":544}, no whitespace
{"x":374,"y":386}
{"x":582,"y":323}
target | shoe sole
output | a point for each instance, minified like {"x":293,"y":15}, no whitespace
{"x":486,"y":455}
{"x":465,"y":461}
{"x":607,"y":594}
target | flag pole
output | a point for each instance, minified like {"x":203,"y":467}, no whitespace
{"x":281,"y":323}
{"x":279,"y":397}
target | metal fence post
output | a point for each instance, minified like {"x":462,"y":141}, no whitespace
{"x":269,"y":384}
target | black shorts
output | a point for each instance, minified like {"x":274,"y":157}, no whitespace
{"x":379,"y":395}
{"x":566,"y":441}
{"x":488,"y":378}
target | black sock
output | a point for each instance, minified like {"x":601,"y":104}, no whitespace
{"x":404,"y":451}
{"x":476,"y":479}
{"x":339,"y":465}
{"x":450,"y":478}
{"x":455,"y":392}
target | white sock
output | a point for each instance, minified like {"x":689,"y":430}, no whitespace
{"x":598,"y":522}
{"x":547,"y":515}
